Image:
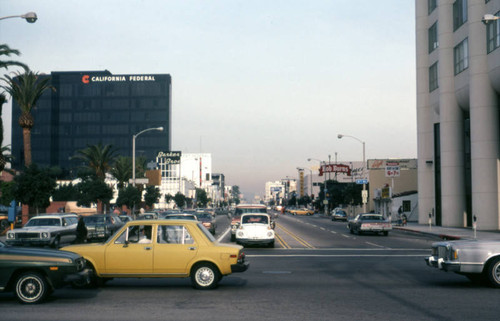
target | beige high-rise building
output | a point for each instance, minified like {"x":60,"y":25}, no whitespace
{"x":458,"y":88}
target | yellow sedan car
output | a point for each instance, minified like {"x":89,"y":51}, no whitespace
{"x":159,"y":249}
{"x":302,"y":211}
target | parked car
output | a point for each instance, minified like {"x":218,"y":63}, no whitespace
{"x":301,"y":211}
{"x":32,"y":274}
{"x":101,"y":226}
{"x":181,"y":216}
{"x":125,"y":218}
{"x":207,"y":220}
{"x":147,"y":216}
{"x":163,"y":248}
{"x":369,"y":223}
{"x":476,"y":259}
{"x":241,"y":209}
{"x":45,"y":230}
{"x":255,"y":229}
{"x":167,"y":212}
{"x":339,"y":215}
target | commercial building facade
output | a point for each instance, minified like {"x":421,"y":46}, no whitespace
{"x":458,"y":87}
{"x":92,"y":107}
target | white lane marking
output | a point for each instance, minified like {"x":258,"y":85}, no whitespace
{"x":224,"y":234}
{"x":333,"y":232}
{"x":347,"y":236}
{"x":370,"y":243}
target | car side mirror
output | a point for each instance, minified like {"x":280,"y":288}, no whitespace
{"x":125,"y":244}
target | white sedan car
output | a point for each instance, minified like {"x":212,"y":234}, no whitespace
{"x":255,"y":229}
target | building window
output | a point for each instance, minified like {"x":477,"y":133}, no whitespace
{"x":432,"y":4}
{"x":433,"y":37}
{"x":459,"y":13}
{"x":406,"y":206}
{"x":461,"y":56}
{"x":493,"y":34}
{"x":433,"y":77}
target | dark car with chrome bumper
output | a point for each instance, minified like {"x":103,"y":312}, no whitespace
{"x":32,"y":274}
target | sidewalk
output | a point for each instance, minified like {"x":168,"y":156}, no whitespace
{"x":448,"y":233}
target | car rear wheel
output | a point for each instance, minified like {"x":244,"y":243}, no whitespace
{"x":205,"y":276}
{"x":31,"y":288}
{"x":385,"y":233}
{"x":56,"y":243}
{"x":493,"y":271}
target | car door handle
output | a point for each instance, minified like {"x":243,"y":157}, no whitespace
{"x":192,"y":248}
{"x":147,"y":248}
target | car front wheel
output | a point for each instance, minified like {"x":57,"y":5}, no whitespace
{"x":31,"y":288}
{"x":494,"y":272}
{"x":205,"y":276}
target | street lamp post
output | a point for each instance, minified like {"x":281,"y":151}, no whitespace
{"x":30,"y":17}
{"x":363,"y":197}
{"x":133,"y":149}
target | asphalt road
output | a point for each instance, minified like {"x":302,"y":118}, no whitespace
{"x":318,"y":272}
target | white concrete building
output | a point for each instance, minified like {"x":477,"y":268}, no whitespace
{"x":184,"y":173}
{"x":458,"y":86}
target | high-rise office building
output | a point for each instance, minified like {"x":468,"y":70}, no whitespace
{"x":458,"y":87}
{"x":92,"y":107}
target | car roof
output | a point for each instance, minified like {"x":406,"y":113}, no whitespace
{"x":53,"y":215}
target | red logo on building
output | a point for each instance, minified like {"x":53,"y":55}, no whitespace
{"x":85,"y":79}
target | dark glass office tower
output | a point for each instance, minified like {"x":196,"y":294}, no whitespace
{"x":94,"y":107}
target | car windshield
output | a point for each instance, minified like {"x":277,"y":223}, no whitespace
{"x":94,"y":219}
{"x":244,"y":210}
{"x":204,"y":216}
{"x":260,"y":219}
{"x":44,"y":222}
{"x":180,"y":217}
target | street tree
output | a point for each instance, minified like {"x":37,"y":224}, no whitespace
{"x":129,"y":196}
{"x":34,"y":187}
{"x":92,"y":190}
{"x":7,"y":194}
{"x":168,"y":198}
{"x":122,"y":170}
{"x":180,"y":200}
{"x":26,"y":88}
{"x":66,"y":193}
{"x":99,"y":158}
{"x":5,"y":155}
{"x":201,"y":198}
{"x":5,"y":50}
{"x":152,"y":196}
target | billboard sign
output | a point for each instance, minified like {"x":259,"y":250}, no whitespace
{"x":335,"y":168}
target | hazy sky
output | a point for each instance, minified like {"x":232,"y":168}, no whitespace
{"x":262,"y":85}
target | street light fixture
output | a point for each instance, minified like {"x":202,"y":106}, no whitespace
{"x":340,"y":136}
{"x":133,"y":149}
{"x":30,"y":17}
{"x":487,"y":18}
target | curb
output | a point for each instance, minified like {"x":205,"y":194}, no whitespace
{"x":441,"y":236}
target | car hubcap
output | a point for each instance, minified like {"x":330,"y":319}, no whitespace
{"x":496,"y":273}
{"x":205,"y":276}
{"x":29,"y":289}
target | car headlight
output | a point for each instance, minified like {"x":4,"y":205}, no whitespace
{"x":270,"y":234}
{"x":11,"y":236}
{"x":45,"y":235}
{"x":241,"y":234}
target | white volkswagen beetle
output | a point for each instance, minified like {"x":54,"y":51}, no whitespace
{"x":255,"y":229}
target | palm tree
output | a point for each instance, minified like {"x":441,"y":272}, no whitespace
{"x":6,"y":51}
{"x":122,"y":170}
{"x":26,"y":88}
{"x":98,"y":158}
{"x":4,"y":150}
